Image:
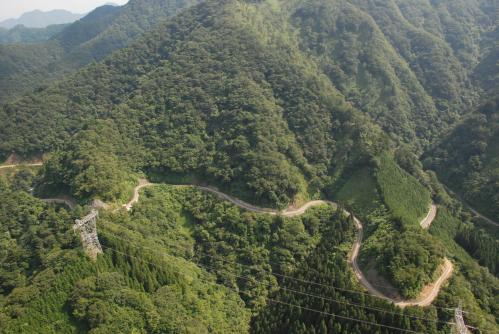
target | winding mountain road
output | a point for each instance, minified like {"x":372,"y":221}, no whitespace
{"x":428,"y":294}
{"x":426,"y":222}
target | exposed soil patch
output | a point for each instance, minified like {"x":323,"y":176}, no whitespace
{"x":381,"y":283}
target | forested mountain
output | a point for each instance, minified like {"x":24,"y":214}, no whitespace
{"x":347,"y":48}
{"x":104,"y":30}
{"x":405,"y":65}
{"x":21,"y":34}
{"x":41,"y":19}
{"x":196,"y":95}
{"x":182,"y":261}
{"x":276,"y":103}
{"x":487,"y":71}
{"x":468,"y":159}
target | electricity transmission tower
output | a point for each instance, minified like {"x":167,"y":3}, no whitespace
{"x":87,"y":227}
{"x":461,"y":327}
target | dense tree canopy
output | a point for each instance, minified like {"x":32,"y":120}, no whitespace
{"x":276,"y":103}
{"x":467,"y":159}
{"x":22,"y":34}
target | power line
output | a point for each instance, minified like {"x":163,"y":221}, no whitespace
{"x":247,"y":277}
{"x":272,"y":273}
{"x":297,"y":291}
{"x":341,"y":289}
{"x":281,"y":302}
{"x":290,"y":277}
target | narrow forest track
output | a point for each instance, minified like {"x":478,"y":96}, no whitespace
{"x":428,"y":294}
{"x":476,"y":213}
{"x":136,"y":193}
{"x":70,"y":203}
{"x":38,"y":164}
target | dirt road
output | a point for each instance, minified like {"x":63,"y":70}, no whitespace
{"x":428,"y":294}
{"x":476,"y":213}
{"x":71,"y":204}
{"x":38,"y":164}
{"x":143,"y":183}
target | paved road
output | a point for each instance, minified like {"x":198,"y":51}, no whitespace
{"x":427,"y":295}
{"x":426,"y":222}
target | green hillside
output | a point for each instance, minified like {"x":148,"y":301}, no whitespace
{"x":467,"y":159}
{"x":21,"y":34}
{"x":175,"y":263}
{"x":197,"y":96}
{"x":403,"y":195}
{"x":90,"y":39}
{"x":370,"y":104}
{"x":412,"y":78}
{"x":57,"y":290}
{"x":231,"y":65}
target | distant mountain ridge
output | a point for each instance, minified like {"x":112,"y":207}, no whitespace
{"x":41,"y":19}
{"x":102,"y":31}
{"x":22,"y":34}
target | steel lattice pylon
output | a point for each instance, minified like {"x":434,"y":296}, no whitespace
{"x":87,"y":227}
{"x":460,"y":325}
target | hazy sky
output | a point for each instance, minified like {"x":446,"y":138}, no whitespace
{"x":14,"y":8}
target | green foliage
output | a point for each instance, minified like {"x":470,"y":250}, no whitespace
{"x":400,"y":252}
{"x":200,"y":102}
{"x":129,"y":289}
{"x":410,"y":261}
{"x":360,"y":193}
{"x":27,"y":222}
{"x":153,"y":276}
{"x":326,"y":265}
{"x":481,"y":246}
{"x":467,"y":159}
{"x":487,"y":70}
{"x":311,"y":247}
{"x":21,"y":34}
{"x":90,"y":167}
{"x":407,"y":200}
{"x":21,"y":67}
{"x":413,"y":79}
{"x":472,"y":285}
{"x":274,"y":102}
{"x":30,"y":68}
